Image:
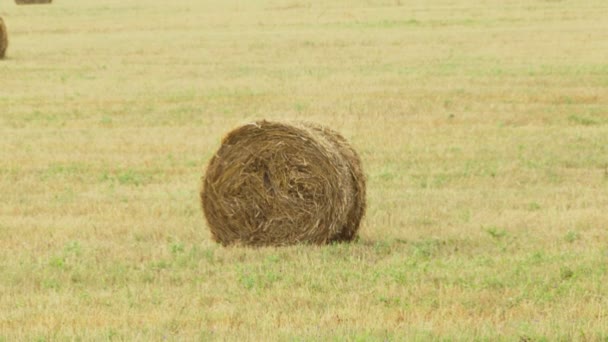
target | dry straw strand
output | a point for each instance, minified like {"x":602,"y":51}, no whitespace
{"x":274,"y":183}
{"x":3,"y":38}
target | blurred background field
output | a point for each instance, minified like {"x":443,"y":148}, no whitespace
{"x":482,"y":126}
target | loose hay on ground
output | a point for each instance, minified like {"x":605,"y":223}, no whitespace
{"x":279,"y":184}
{"x":3,"y":39}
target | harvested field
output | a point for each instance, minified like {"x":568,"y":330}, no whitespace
{"x":481,"y":128}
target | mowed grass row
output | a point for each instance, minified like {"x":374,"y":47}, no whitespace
{"x":482,"y":128}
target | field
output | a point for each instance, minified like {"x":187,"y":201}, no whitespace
{"x":482,"y":126}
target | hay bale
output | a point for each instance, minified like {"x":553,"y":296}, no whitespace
{"x":279,"y":184}
{"x":31,"y":2}
{"x":351,"y":228}
{"x":3,"y":38}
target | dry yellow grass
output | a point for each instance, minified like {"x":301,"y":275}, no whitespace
{"x":482,"y":127}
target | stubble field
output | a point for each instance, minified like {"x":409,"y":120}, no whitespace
{"x":482,"y":126}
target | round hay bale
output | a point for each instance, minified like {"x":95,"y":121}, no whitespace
{"x":357,"y":211}
{"x":278,"y":184}
{"x":3,"y":39}
{"x":31,"y":2}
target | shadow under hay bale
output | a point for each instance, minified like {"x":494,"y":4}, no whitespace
{"x":32,"y":2}
{"x":280,"y":184}
{"x":3,"y":39}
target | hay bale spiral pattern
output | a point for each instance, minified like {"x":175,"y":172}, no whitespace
{"x":275,"y":184}
{"x":3,"y":39}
